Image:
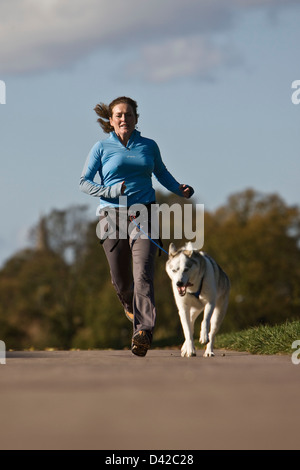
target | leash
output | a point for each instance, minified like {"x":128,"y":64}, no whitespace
{"x":132,"y":217}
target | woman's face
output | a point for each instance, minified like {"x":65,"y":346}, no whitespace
{"x":123,"y":120}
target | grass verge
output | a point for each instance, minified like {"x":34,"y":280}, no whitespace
{"x":265,"y":339}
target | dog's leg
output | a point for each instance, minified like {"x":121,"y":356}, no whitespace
{"x":208,"y":311}
{"x":188,"y":348}
{"x":216,"y":320}
{"x":209,"y":350}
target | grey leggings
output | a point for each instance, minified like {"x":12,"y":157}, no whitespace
{"x":131,"y":265}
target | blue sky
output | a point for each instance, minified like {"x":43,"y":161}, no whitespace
{"x":212,"y":79}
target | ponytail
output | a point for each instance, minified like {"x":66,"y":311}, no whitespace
{"x":103,"y":111}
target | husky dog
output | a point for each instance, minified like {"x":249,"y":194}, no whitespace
{"x":198,"y":284}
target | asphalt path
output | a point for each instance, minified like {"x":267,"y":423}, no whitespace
{"x":112,"y":400}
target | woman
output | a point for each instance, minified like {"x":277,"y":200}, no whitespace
{"x":125,"y":162}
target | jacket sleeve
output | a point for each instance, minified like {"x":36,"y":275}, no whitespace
{"x":91,"y":167}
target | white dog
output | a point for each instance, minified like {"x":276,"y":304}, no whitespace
{"x":198,"y":284}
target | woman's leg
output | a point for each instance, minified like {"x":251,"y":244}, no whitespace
{"x":118,"y":254}
{"x":143,"y":258}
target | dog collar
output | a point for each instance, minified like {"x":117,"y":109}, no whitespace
{"x":197,"y":294}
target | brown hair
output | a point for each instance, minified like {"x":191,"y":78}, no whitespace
{"x":105,"y":112}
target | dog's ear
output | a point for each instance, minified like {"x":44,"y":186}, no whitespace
{"x":189,"y":247}
{"x":172,"y":249}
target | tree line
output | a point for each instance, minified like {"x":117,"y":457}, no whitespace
{"x":58,"y":292}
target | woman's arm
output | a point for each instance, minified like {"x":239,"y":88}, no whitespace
{"x":87,"y":183}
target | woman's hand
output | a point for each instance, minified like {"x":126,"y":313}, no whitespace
{"x":186,"y":191}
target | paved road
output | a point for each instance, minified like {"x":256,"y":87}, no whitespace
{"x":112,"y":400}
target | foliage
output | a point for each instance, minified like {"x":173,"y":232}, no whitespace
{"x":59,"y":293}
{"x":263,"y":339}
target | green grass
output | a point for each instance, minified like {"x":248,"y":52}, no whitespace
{"x":276,"y":339}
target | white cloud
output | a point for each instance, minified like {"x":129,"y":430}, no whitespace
{"x":37,"y":35}
{"x":192,"y":56}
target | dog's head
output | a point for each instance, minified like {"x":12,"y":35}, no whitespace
{"x":183,"y":267}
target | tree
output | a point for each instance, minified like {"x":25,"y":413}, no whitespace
{"x":63,"y":232}
{"x":32,"y":291}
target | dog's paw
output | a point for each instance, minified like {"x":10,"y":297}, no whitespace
{"x":186,"y":354}
{"x":209,"y":354}
{"x":188,"y":350}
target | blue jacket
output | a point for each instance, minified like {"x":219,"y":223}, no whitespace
{"x":133,"y":164}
